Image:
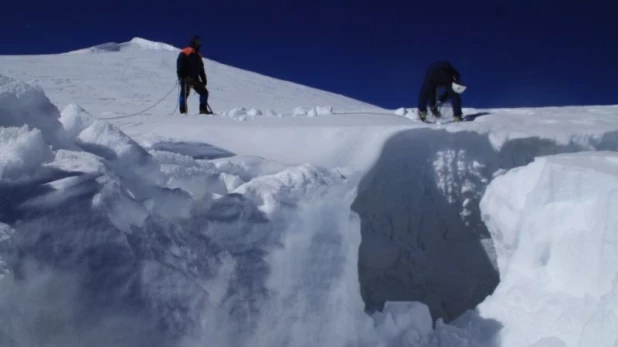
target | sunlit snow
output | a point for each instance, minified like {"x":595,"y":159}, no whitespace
{"x":293,"y":216}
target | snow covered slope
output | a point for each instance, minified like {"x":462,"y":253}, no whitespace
{"x":555,"y":226}
{"x":278,"y":228}
{"x":117,"y":79}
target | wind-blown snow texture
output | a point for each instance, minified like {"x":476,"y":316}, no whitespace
{"x":122,"y":237}
{"x":133,"y":228}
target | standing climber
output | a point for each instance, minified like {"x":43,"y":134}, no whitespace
{"x":191,"y":75}
{"x":440,"y":74}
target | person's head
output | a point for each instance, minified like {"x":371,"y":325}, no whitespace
{"x":195,"y":43}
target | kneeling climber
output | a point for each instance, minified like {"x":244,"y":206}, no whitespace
{"x":191,"y":75}
{"x":440,"y":74}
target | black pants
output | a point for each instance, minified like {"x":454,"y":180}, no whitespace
{"x":186,"y":85}
{"x":429,"y":92}
{"x":428,"y":96}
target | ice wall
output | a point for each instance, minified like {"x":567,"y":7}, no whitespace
{"x":555,"y":228}
{"x":423,"y":237}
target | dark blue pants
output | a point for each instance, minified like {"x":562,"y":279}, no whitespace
{"x":185,"y":88}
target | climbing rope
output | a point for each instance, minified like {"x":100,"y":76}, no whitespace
{"x":175,"y":107}
{"x":158,"y":102}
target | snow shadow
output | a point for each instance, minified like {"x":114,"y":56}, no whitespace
{"x":135,"y":288}
{"x":15,"y":193}
{"x":471,"y":117}
{"x":422,"y":234}
{"x":196,"y":150}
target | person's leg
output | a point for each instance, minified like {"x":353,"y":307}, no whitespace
{"x":422,"y":100}
{"x":185,"y":89}
{"x":455,"y":98}
{"x":203,"y":92}
{"x":426,"y":96}
{"x":436,"y":100}
{"x":455,"y":102}
{"x":444,"y":96}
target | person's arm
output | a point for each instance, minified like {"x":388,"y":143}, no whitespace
{"x":202,"y":70}
{"x":181,"y":66}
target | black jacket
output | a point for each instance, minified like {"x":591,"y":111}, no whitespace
{"x":190,"y":64}
{"x":441,"y":73}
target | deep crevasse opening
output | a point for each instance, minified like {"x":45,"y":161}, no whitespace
{"x":422,"y":234}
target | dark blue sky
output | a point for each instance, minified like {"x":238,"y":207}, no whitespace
{"x":509,"y":52}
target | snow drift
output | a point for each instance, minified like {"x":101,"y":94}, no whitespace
{"x":95,"y":253}
{"x":21,"y":104}
{"x":243,"y":113}
{"x":104,"y":242}
{"x":556,"y":235}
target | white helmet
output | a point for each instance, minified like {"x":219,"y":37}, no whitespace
{"x":458,"y":88}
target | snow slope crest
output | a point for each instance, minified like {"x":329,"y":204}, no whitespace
{"x":556,"y":234}
{"x":131,"y":83}
{"x":137,"y":43}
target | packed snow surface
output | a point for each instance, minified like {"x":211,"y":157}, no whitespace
{"x":293,"y":216}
